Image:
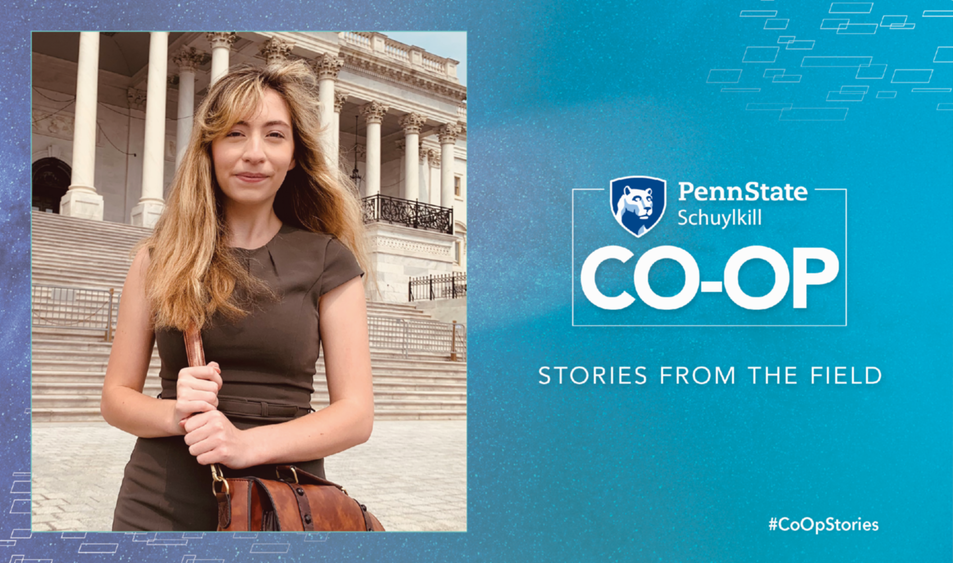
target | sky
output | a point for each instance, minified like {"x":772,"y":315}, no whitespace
{"x":448,"y":44}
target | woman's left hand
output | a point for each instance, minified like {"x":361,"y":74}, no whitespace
{"x":212,"y":438}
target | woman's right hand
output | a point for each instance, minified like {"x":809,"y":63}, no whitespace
{"x":197,"y":391}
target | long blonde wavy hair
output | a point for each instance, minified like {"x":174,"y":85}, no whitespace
{"x":193,"y":274}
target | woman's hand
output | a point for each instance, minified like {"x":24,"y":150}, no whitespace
{"x":197,"y":391}
{"x":212,"y":438}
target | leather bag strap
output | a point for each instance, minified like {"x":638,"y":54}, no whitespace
{"x":196,"y":354}
{"x":301,"y":476}
{"x":193,"y":346}
{"x":304,"y":507}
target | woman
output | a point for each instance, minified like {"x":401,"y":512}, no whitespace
{"x":260,"y":246}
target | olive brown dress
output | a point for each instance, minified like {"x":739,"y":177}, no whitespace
{"x":268,"y":365}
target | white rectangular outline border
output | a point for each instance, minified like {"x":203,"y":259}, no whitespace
{"x":572,"y":266}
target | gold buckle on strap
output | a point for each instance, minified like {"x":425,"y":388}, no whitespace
{"x":218,"y":477}
{"x":289,"y":467}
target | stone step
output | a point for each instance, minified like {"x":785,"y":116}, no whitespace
{"x":69,"y":401}
{"x":97,"y":378}
{"x":46,"y":338}
{"x":396,"y":404}
{"x":89,"y":360}
{"x":45,"y":257}
{"x":72,"y":335}
{"x":84,"y":387}
{"x":454,"y":414}
{"x":103,"y":250}
{"x":52,"y":344}
{"x":66,"y":359}
{"x":79,"y":354}
{"x":66,"y":415}
{"x":434,"y":397}
{"x":42,"y":365}
{"x":94,"y":348}
{"x":433,"y":400}
{"x":73,"y":415}
{"x":45,"y":274}
{"x":50,"y":235}
{"x":49,"y":256}
{"x":74,"y":244}
{"x":72,"y":280}
{"x":72,"y":241}
{"x":95,"y":242}
{"x":67,"y":377}
{"x":41,"y":220}
{"x":407,"y":375}
{"x":382,"y":386}
{"x":114,"y":231}
{"x":57,"y":368}
{"x":63,"y":372}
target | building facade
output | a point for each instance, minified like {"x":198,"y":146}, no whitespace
{"x":112,"y":113}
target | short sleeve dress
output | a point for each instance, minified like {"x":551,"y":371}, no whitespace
{"x":268,"y":365}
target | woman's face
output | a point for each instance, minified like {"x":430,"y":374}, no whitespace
{"x":252,"y":158}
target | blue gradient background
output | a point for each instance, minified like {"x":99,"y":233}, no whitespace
{"x":570,"y":95}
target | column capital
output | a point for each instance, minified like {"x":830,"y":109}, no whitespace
{"x":136,"y":99}
{"x":339,"y":99}
{"x":448,"y":133}
{"x":327,"y":66}
{"x":401,"y":145}
{"x":221,"y":38}
{"x":373,"y":112}
{"x":434,"y":158}
{"x":275,"y":51}
{"x":188,"y":59}
{"x":422,"y":153}
{"x":411,"y":123}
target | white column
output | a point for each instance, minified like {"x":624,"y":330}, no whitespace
{"x":81,"y":200}
{"x":339,"y":99}
{"x":423,"y":172}
{"x":411,"y":124}
{"x":374,"y":116}
{"x":221,"y":43}
{"x":150,"y":206}
{"x":448,"y":138}
{"x":187,"y":60}
{"x":327,"y":67}
{"x":433,"y":158}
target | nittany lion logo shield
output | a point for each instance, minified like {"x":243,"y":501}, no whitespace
{"x":638,"y":202}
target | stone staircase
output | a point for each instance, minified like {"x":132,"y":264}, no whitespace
{"x":69,"y":364}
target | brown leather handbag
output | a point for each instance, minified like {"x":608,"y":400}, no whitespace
{"x":296,"y":501}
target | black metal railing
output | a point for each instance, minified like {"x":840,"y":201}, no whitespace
{"x":408,"y":213}
{"x":75,"y":308}
{"x":441,"y":286}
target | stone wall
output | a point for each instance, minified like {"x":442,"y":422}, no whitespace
{"x":398,"y":253}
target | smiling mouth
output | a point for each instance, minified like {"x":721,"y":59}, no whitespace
{"x":251,"y":177}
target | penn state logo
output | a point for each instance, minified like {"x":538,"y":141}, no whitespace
{"x":638,"y":202}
